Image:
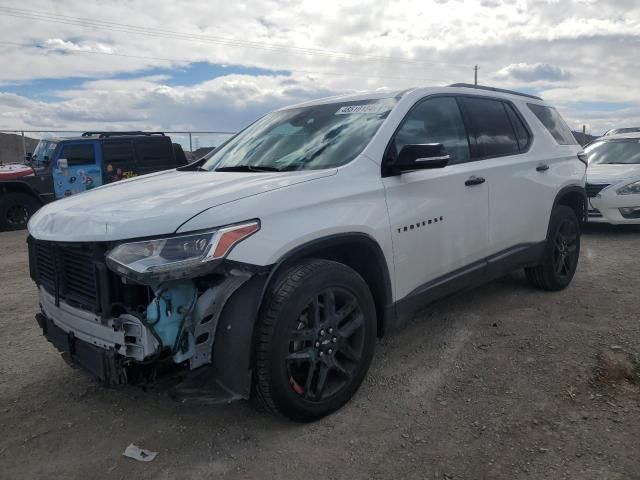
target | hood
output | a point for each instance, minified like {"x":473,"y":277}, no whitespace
{"x":15,"y":170}
{"x":612,"y":173}
{"x":155,"y":204}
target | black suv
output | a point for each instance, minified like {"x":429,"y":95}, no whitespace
{"x":64,"y":167}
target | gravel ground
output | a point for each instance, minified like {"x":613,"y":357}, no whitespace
{"x":502,"y":382}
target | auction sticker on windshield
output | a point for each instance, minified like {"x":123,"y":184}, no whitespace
{"x":371,"y":108}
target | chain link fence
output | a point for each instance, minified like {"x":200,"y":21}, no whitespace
{"x":15,"y":144}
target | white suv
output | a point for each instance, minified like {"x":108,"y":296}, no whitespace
{"x":268,"y":269}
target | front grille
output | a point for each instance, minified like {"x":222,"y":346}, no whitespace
{"x":593,"y":189}
{"x":77,"y":273}
{"x":68,"y":271}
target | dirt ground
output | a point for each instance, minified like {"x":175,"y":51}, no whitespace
{"x":503,"y":382}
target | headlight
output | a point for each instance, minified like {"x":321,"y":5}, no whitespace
{"x":632,"y":188}
{"x":182,"y":256}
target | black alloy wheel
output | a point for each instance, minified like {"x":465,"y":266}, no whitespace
{"x":561,"y":252}
{"x":316,"y":337}
{"x":327,"y":345}
{"x":565,"y":254}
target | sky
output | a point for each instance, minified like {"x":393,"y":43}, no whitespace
{"x":217,"y":66}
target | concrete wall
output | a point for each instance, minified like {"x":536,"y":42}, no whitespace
{"x":11,"y":147}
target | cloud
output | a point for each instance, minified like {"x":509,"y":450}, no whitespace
{"x":69,"y":46}
{"x":328,"y":47}
{"x":533,"y":72}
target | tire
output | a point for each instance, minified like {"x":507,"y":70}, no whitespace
{"x":561,"y":252}
{"x":316,"y":337}
{"x":16,"y":209}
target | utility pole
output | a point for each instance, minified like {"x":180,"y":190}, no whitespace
{"x":475,"y":74}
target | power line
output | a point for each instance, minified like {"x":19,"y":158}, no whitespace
{"x":175,"y":35}
{"x":182,"y":60}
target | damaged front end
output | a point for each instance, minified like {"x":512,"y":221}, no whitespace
{"x":149,"y":310}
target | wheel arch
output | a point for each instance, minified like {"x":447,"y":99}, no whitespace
{"x":574,"y":197}
{"x":358,"y":251}
{"x":20,"y":187}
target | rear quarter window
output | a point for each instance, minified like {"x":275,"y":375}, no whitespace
{"x":155,"y":154}
{"x":553,"y":122}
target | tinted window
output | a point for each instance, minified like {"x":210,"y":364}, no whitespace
{"x":119,"y":153}
{"x":156,"y":154}
{"x":118,"y":160}
{"x":614,"y":152}
{"x":554,"y":123}
{"x":491,"y":133}
{"x":522,"y":134}
{"x":80,"y":154}
{"x":435,"y":120}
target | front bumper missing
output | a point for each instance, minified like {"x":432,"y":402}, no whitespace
{"x":119,"y":350}
{"x":124,"y":335}
{"x":104,"y":364}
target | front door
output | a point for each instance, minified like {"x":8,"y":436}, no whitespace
{"x":76,"y":169}
{"x":439,"y":217}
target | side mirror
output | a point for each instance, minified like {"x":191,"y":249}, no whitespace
{"x":63,"y":164}
{"x":421,"y":156}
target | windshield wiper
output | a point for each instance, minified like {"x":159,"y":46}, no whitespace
{"x":247,"y":168}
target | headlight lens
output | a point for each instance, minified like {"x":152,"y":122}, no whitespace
{"x":632,"y":188}
{"x":181,"y":256}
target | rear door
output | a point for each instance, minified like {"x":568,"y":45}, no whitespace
{"x":439,"y":217}
{"x":500,"y":141}
{"x":76,"y":168}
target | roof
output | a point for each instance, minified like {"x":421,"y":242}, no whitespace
{"x":93,"y":136}
{"x":620,"y":136}
{"x":455,"y":88}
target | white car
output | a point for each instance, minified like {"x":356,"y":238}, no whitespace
{"x":613,"y":179}
{"x":268,"y":268}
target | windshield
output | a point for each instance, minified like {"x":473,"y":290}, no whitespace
{"x":609,"y":152}
{"x":306,"y":138}
{"x":43,"y":153}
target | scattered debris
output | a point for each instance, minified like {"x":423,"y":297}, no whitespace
{"x":140,"y":454}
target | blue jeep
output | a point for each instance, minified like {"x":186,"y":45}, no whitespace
{"x":62,"y":167}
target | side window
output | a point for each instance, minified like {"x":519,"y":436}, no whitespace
{"x":522,"y":134}
{"x":118,"y":160}
{"x":78,"y":154}
{"x":155,"y":154}
{"x":554,"y":123}
{"x":435,"y":120}
{"x":490,"y":131}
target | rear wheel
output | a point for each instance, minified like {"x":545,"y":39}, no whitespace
{"x":15,"y":210}
{"x":317,"y":335}
{"x":561,"y":252}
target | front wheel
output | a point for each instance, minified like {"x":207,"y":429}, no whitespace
{"x":561,"y":252}
{"x":15,"y":210}
{"x":317,"y":335}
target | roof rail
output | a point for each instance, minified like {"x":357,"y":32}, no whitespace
{"x":116,"y":134}
{"x":493,"y":89}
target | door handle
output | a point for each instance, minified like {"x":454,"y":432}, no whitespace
{"x":473,"y":180}
{"x":542,"y":167}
